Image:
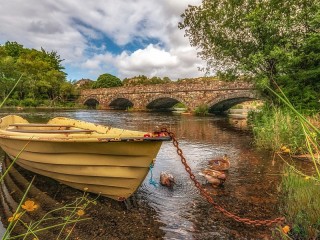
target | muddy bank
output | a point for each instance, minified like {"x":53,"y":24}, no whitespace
{"x":109,"y":219}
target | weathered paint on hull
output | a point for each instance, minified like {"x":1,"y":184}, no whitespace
{"x":114,"y":169}
{"x":109,"y":173}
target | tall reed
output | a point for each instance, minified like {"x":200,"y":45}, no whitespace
{"x":287,"y":129}
{"x":301,"y":205}
{"x":73,"y":211}
{"x":275,"y":127}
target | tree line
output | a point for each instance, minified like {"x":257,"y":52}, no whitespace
{"x":43,"y":80}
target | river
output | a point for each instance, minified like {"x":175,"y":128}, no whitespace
{"x":157,"y":212}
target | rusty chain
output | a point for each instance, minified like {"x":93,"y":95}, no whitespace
{"x":206,"y":195}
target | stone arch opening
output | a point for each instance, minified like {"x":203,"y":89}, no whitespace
{"x":120,"y":104}
{"x":91,"y":103}
{"x":222,"y":104}
{"x":227,"y":104}
{"x":162,"y":104}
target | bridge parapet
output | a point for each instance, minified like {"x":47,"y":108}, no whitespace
{"x":172,"y":87}
{"x":191,"y":94}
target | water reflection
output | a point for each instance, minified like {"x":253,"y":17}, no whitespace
{"x":250,"y":189}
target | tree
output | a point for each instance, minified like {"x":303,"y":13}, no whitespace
{"x":106,"y":81}
{"x":42,"y":74}
{"x":263,"y":40}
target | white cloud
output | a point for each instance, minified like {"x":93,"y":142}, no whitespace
{"x":69,"y":27}
{"x":153,"y":61}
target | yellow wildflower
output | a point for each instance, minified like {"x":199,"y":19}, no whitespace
{"x":287,"y":150}
{"x":283,"y":148}
{"x":14,"y":217}
{"x":29,"y":206}
{"x":307,"y":178}
{"x":286,"y":229}
{"x":80,"y":212}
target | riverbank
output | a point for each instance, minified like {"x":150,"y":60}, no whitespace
{"x":250,"y":190}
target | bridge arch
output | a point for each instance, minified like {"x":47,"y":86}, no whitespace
{"x":120,"y":103}
{"x":163,"y":102}
{"x":223,"y":103}
{"x":91,"y":102}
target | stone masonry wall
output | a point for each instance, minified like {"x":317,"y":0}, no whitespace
{"x":191,"y":94}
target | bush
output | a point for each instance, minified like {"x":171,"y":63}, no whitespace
{"x":106,"y":81}
{"x":275,"y":127}
{"x":202,"y":110}
{"x":29,"y":102}
{"x":301,"y":205}
{"x":179,"y":105}
{"x":12,"y":102}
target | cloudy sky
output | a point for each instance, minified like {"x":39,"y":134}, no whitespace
{"x":124,"y":38}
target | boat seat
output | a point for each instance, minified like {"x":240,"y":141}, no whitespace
{"x":50,"y":131}
{"x":39,"y":125}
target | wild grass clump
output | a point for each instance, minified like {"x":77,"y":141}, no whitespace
{"x":202,"y":110}
{"x":301,"y":204}
{"x":275,"y":127}
{"x":179,"y":105}
{"x":286,"y":131}
{"x":58,"y":219}
{"x":62,"y":220}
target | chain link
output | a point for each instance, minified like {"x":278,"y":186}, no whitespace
{"x":207,"y":196}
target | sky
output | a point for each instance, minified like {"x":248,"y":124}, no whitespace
{"x":123,"y":38}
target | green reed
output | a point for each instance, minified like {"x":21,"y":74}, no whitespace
{"x":202,"y":110}
{"x":287,"y":131}
{"x":69,"y":214}
{"x":301,"y":205}
{"x":58,"y":218}
{"x":276,"y":127}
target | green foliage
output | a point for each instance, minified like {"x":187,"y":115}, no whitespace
{"x":42,"y":75}
{"x":106,"y":81}
{"x":202,"y":110}
{"x":179,"y":105}
{"x":275,"y":43}
{"x":274,"y":127}
{"x":143,"y":80}
{"x":301,"y":205}
{"x":29,"y":102}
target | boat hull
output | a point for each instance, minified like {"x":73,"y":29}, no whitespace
{"x":114,"y":166}
{"x":111,"y":169}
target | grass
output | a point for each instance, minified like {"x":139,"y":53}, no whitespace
{"x":69,"y":214}
{"x":287,"y":131}
{"x":179,"y":105}
{"x":301,"y":205}
{"x":275,"y":127}
{"x":59,"y":218}
{"x":202,"y":110}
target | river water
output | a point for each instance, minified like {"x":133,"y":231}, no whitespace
{"x":250,"y":190}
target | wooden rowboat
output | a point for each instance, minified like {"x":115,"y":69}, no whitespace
{"x":109,"y":161}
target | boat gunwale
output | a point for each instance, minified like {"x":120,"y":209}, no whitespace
{"x":75,"y":137}
{"x":80,"y":134}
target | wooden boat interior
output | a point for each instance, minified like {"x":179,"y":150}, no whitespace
{"x":45,"y":128}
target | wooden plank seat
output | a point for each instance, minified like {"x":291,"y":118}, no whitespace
{"x":39,"y":125}
{"x":50,"y":131}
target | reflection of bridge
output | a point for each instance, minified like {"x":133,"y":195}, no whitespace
{"x":217,"y":95}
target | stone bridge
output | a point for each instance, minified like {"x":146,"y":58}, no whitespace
{"x":217,"y":95}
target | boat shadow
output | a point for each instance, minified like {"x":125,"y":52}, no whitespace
{"x":107,"y":216}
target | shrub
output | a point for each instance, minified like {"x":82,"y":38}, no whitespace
{"x":301,"y":205}
{"x":275,"y":127}
{"x":106,"y":81}
{"x":202,"y":110}
{"x":29,"y":102}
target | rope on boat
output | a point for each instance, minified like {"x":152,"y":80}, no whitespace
{"x":206,"y":195}
{"x":151,"y":180}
